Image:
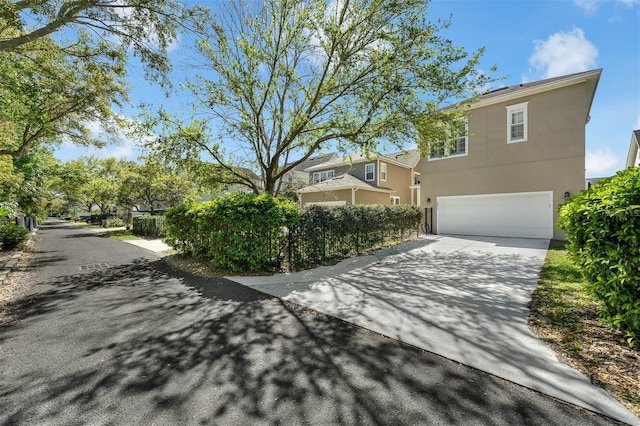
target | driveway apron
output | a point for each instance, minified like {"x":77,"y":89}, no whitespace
{"x":464,"y":298}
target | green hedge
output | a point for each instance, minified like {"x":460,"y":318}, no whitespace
{"x":602,"y":225}
{"x":152,"y":226}
{"x":244,"y":232}
{"x":336,"y":232}
{"x":11,"y":235}
{"x":116,"y":221}
{"x":239,"y":232}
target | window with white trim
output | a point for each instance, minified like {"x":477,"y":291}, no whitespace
{"x":322,"y":176}
{"x":517,"y":127}
{"x":370,"y":172}
{"x":395,"y":200}
{"x":456,"y":145}
{"x":383,"y":172}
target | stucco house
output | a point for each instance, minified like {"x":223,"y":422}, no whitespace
{"x":361,"y":179}
{"x":633,"y":158}
{"x":523,"y":154}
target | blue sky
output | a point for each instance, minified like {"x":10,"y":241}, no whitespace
{"x":527,"y":41}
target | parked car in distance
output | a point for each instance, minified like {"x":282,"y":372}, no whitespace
{"x":83,"y":217}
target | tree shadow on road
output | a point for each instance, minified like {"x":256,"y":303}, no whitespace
{"x":141,"y":344}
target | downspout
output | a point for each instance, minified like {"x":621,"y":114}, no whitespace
{"x":412,"y":183}
{"x":353,"y":196}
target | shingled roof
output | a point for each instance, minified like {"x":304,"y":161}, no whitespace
{"x":344,"y":181}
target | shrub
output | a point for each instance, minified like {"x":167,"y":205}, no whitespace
{"x":116,"y":221}
{"x":602,"y":225}
{"x":152,"y":226}
{"x":239,"y":232}
{"x":11,"y":235}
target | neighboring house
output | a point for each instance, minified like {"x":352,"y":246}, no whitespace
{"x":297,"y":178}
{"x":358,"y":179}
{"x":633,"y":158}
{"x":240,"y":187}
{"x":524,"y":152}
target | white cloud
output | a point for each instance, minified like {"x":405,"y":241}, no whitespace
{"x":602,"y":162}
{"x":119,"y":143}
{"x":125,"y":150}
{"x":590,"y":6}
{"x":563,"y":53}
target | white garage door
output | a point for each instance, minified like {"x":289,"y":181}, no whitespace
{"x":523,"y":214}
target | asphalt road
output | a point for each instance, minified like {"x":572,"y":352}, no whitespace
{"x":113,"y":336}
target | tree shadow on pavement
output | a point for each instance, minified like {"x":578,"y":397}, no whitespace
{"x":140,"y":344}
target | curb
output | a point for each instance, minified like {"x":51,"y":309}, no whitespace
{"x":8,"y":267}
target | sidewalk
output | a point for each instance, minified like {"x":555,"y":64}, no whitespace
{"x":154,"y":245}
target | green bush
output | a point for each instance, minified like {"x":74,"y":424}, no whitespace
{"x":11,"y":235}
{"x":239,"y":232}
{"x":151,"y":226}
{"x":602,"y":225}
{"x":116,"y":221}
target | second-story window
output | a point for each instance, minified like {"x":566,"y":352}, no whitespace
{"x":456,"y":145}
{"x":383,"y":172}
{"x":370,"y":172}
{"x":517,"y":122}
{"x":322,"y":176}
{"x":437,"y":150}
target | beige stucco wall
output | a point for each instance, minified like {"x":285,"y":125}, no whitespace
{"x":329,"y":196}
{"x":551,"y":159}
{"x":362,"y":196}
{"x":372,"y":197}
{"x":399,"y":179}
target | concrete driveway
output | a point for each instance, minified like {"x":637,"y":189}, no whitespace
{"x":462,"y":298}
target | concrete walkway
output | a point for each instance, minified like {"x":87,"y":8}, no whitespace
{"x":154,"y":245}
{"x":462,"y":298}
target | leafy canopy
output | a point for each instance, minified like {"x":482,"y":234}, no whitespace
{"x":48,"y":96}
{"x":152,"y":183}
{"x":147,"y":27}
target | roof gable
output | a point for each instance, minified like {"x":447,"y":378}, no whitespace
{"x":315,"y":160}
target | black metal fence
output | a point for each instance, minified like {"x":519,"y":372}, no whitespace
{"x":319,"y":239}
{"x":152,"y":226}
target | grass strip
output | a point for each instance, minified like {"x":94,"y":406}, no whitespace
{"x":564,"y":315}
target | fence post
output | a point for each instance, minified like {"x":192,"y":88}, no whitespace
{"x":289,"y":243}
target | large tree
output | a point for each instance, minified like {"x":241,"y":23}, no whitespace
{"x":286,"y":78}
{"x":34,"y":171}
{"x":152,"y":183}
{"x":90,"y":181}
